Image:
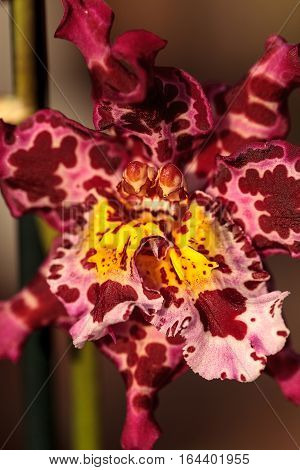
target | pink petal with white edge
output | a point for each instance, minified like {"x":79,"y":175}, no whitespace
{"x":95,"y":275}
{"x":261,"y":184}
{"x":284,"y":367}
{"x":254,"y":109}
{"x":230,"y":323}
{"x":58,"y":167}
{"x":121,"y":72}
{"x":237,"y":346}
{"x":147,"y":361}
{"x":171,"y":122}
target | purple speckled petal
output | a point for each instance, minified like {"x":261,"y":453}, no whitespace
{"x":97,"y":279}
{"x":171,"y":122}
{"x":254,"y":109}
{"x":147,"y":361}
{"x":261,"y":184}
{"x":58,"y":167}
{"x":229,"y":321}
{"x":33,"y":307}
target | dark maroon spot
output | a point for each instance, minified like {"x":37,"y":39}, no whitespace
{"x":68,"y":294}
{"x":156,"y":352}
{"x":184,"y":229}
{"x":100,"y":159}
{"x":86,"y":264}
{"x":143,"y":402}
{"x":150,"y":374}
{"x":109,"y":295}
{"x":169,"y":295}
{"x":128,"y":378}
{"x":137,"y":332}
{"x":267,"y":89}
{"x":92,"y":293}
{"x":258,"y":358}
{"x":218,"y":310}
{"x":36,"y":168}
{"x":178,"y":339}
{"x":281,"y":199}
{"x":282,"y":333}
{"x":99,"y":184}
{"x":222,"y":177}
{"x":273,"y":152}
{"x":54,"y":270}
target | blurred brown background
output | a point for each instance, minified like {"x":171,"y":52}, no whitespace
{"x":213,"y":40}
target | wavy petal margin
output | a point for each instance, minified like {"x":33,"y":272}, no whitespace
{"x":171,"y":121}
{"x":255,"y":109}
{"x":147,"y":361}
{"x":95,"y":276}
{"x":54,"y":165}
{"x":121,"y":72}
{"x":261,"y":185}
{"x":230,"y":323}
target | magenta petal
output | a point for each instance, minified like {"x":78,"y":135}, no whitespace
{"x":147,"y":361}
{"x":13,"y":333}
{"x":121,"y":72}
{"x":284,"y":367}
{"x":256,"y":108}
{"x":33,"y":307}
{"x":140,"y":429}
{"x":261,"y":184}
{"x":229,"y":321}
{"x":171,"y":122}
{"x":57,"y":167}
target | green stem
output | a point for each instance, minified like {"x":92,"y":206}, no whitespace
{"x":85,"y":400}
{"x":28,"y":33}
{"x":28,"y":29}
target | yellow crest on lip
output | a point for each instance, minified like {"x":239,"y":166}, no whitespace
{"x":115,"y":242}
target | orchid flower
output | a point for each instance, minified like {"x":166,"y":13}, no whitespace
{"x":164,"y":217}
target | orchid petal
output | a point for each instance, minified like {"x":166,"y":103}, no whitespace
{"x":147,"y":361}
{"x":58,"y":167}
{"x":121,"y":72}
{"x":284,"y":367}
{"x":228,"y":319}
{"x":33,"y":307}
{"x":171,"y":122}
{"x":254,"y":109}
{"x":97,"y":280}
{"x":261,"y":184}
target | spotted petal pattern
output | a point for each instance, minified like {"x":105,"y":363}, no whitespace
{"x":171,"y":122}
{"x":147,"y":362}
{"x":261,"y":183}
{"x":52,"y":164}
{"x":230,"y":323}
{"x":33,"y":307}
{"x":254,"y":109}
{"x":121,"y":72}
{"x":95,"y":276}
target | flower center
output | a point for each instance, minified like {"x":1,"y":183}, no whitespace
{"x":153,"y":226}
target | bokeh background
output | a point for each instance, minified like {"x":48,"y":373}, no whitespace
{"x":213,"y":40}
